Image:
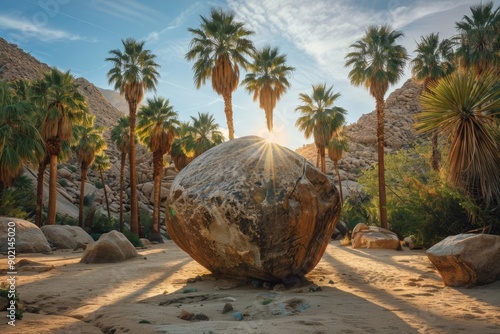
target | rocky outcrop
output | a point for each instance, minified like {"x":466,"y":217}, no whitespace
{"x":28,"y":238}
{"x":467,"y":259}
{"x":66,"y":236}
{"x":364,"y":236}
{"x":253,"y":209}
{"x":111,"y":247}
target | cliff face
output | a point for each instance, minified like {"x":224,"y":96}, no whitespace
{"x":400,"y":108}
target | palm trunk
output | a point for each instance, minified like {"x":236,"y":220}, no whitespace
{"x":436,"y":155}
{"x":335,"y":163}
{"x":323,"y":160}
{"x":82,"y":196}
{"x":39,"y":193}
{"x":2,"y":187}
{"x":122,"y":174}
{"x":134,"y":207}
{"x":105,"y":193}
{"x":51,"y":214}
{"x":157,"y":168}
{"x":228,"y":110}
{"x":381,"y":163}
{"x":317,"y":157}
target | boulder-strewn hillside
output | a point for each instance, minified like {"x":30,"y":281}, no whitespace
{"x":401,"y":106}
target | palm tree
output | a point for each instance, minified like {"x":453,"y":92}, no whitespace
{"x":180,"y":157}
{"x":156,"y":129}
{"x":268,"y":80}
{"x":320,"y":118}
{"x":101,"y":163}
{"x":120,"y":136}
{"x":460,"y":106}
{"x":89,"y":144}
{"x":434,"y":60}
{"x":377,"y":61}
{"x":20,"y":141}
{"x":479,"y":39}
{"x":219,"y":47}
{"x":203,"y":134}
{"x":336,"y":147}
{"x":134,"y":71}
{"x":65,"y":107}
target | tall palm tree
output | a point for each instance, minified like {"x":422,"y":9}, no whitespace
{"x":20,"y":141}
{"x":157,"y":122}
{"x":101,"y":163}
{"x":433,"y":61}
{"x":219,"y":47}
{"x":35,"y":93}
{"x":479,"y":39}
{"x":65,"y":107}
{"x":120,"y":136}
{"x":268,"y":80}
{"x":377,"y":61}
{"x":134,"y":71}
{"x":203,"y":134}
{"x":89,"y":144}
{"x":460,"y":106}
{"x":336,"y":147}
{"x":320,"y":118}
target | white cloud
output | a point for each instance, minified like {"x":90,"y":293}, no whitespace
{"x":26,"y":29}
{"x":127,"y":10}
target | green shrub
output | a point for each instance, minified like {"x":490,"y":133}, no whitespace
{"x":421,"y":202}
{"x":98,"y":184}
{"x":4,"y":292}
{"x":88,"y":199}
{"x":63,"y":183}
{"x":19,"y":201}
{"x":133,"y":238}
{"x":66,"y":220}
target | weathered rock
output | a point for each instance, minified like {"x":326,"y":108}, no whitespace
{"x":364,"y":236}
{"x":111,"y":247}
{"x":467,"y":259}
{"x":252,"y":209}
{"x":66,"y":236}
{"x":28,"y":237}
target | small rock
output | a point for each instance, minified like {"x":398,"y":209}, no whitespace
{"x":228,"y":307}
{"x":200,"y":316}
{"x":237,"y":315}
{"x":185,"y":315}
{"x":315,"y":288}
{"x":331,"y":282}
{"x":279,"y":287}
{"x":266,"y":285}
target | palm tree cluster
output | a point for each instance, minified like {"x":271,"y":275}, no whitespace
{"x":460,"y":99}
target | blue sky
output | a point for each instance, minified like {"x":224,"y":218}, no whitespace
{"x":77,"y":35}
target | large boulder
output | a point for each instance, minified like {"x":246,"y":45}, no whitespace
{"x":364,"y":236}
{"x":111,"y":247}
{"x":250,"y":208}
{"x":467,"y":259}
{"x":28,"y":237}
{"x":66,"y":236}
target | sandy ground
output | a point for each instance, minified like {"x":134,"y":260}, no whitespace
{"x":362,"y":291}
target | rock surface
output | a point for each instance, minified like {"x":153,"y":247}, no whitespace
{"x":364,"y":236}
{"x":252,"y":209}
{"x":467,"y":259}
{"x":28,"y":237}
{"x":66,"y":236}
{"x":111,"y":247}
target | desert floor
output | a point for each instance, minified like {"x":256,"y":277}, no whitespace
{"x":362,"y":291}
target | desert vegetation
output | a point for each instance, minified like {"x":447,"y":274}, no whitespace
{"x":453,"y":189}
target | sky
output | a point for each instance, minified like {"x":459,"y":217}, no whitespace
{"x":315,"y":35}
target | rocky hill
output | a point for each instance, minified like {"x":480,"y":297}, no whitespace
{"x":115,"y":99}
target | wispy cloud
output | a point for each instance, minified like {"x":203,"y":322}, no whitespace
{"x":26,"y":29}
{"x":176,"y":22}
{"x":131,"y":10}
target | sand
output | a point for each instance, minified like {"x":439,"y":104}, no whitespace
{"x":361,"y":291}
